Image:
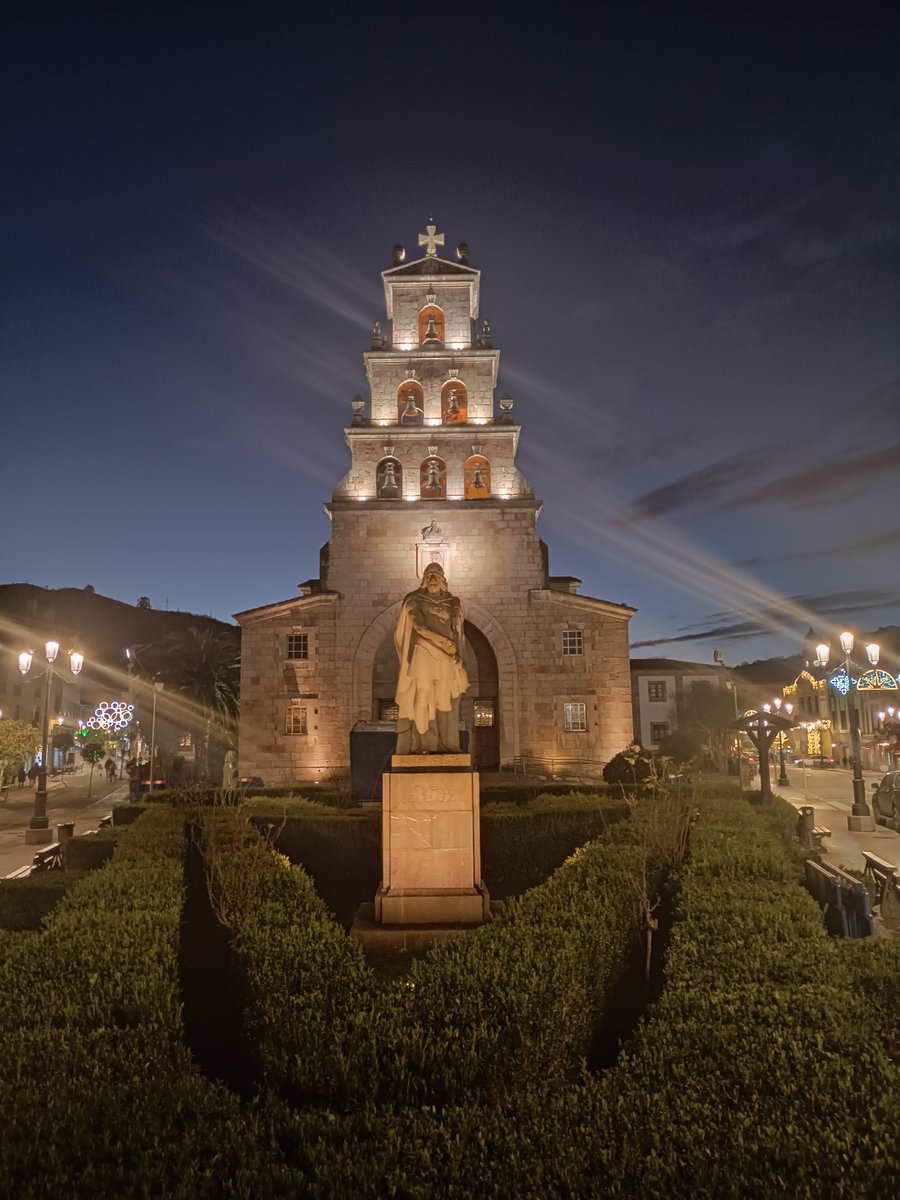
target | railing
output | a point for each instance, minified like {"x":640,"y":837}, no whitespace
{"x":553,"y":767}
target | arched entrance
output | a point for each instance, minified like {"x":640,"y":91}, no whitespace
{"x":479,"y":709}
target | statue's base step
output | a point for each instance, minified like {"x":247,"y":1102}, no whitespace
{"x":431,"y":906}
{"x":387,"y":939}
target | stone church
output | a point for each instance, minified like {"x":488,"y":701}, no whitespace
{"x":433,"y":478}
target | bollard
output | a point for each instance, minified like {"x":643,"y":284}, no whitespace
{"x":806,"y":823}
{"x":65,"y":831}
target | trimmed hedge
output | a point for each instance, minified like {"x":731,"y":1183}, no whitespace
{"x":768,"y":1067}
{"x":98,"y":1092}
{"x":25,"y":903}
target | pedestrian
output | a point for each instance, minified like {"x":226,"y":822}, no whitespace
{"x":33,"y":772}
{"x":21,"y":776}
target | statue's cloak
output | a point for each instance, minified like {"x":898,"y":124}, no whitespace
{"x":424,"y":669}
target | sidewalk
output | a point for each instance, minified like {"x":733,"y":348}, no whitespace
{"x":67,"y":800}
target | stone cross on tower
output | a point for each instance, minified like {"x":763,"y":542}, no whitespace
{"x":431,"y":240}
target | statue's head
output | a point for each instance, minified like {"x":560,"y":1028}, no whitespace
{"x":433,"y":578}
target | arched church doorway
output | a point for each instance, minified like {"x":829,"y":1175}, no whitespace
{"x":479,"y":710}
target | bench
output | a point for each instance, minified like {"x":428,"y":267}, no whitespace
{"x":22,"y":873}
{"x":809,"y":834}
{"x":106,"y":822}
{"x":883,"y":873}
{"x":51,"y":858}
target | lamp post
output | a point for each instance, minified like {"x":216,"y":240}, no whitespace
{"x":889,"y":726}
{"x":38,"y":830}
{"x":783,"y":780}
{"x":860,"y":819}
{"x":157,"y":688}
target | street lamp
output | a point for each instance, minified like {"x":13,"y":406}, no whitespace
{"x":860,"y":819}
{"x":157,"y":688}
{"x":783,"y":780}
{"x":889,"y":726}
{"x":38,"y":830}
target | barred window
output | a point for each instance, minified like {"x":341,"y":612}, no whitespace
{"x":295,"y":719}
{"x":572,"y":641}
{"x":298,"y":645}
{"x":574,"y":717}
{"x":656,"y":689}
{"x":658,"y":732}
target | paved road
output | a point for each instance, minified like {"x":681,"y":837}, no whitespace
{"x":69,"y":798}
{"x":830,"y":792}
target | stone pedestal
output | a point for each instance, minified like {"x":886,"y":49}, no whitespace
{"x":431,"y":843}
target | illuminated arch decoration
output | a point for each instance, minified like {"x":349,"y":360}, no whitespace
{"x":410,"y":403}
{"x":876,"y":680}
{"x":433,"y":479}
{"x":111,"y":717}
{"x":477,"y":477}
{"x":454,"y":403}
{"x":389,"y":480}
{"x":431,"y":327}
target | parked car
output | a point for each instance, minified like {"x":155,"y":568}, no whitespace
{"x":814,"y":760}
{"x":251,"y":781}
{"x":886,"y":800}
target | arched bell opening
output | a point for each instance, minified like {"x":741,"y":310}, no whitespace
{"x":389,"y":480}
{"x":410,"y":403}
{"x":431,"y":327}
{"x":433,"y":479}
{"x":476,"y":477}
{"x":454,"y":403}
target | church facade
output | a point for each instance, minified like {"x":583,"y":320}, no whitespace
{"x":433,"y":478}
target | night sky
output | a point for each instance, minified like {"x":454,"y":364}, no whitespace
{"x":687,"y":223}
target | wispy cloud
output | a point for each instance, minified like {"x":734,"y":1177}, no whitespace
{"x":724,"y":626}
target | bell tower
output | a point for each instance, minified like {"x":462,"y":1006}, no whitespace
{"x":429,"y":432}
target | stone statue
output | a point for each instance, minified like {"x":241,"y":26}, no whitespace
{"x":230,"y":771}
{"x":431,"y":645}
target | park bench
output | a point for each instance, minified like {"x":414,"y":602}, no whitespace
{"x":887,"y":880}
{"x":809,"y":834}
{"x":22,"y":873}
{"x":51,"y":858}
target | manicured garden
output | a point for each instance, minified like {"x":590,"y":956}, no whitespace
{"x":193,"y":1020}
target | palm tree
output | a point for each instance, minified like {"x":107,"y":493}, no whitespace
{"x":205,"y":667}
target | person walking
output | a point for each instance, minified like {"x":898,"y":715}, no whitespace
{"x":21,"y":775}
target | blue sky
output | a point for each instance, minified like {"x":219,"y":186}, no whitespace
{"x":687,"y":225}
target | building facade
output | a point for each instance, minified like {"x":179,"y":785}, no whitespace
{"x":433,"y":478}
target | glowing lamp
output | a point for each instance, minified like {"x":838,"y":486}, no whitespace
{"x":25,"y":660}
{"x":51,"y":649}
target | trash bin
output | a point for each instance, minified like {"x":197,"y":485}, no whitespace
{"x":806,"y":823}
{"x":65,"y":831}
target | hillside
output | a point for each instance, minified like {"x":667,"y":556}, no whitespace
{"x":100,"y":627}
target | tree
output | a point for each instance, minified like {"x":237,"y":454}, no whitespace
{"x":704,"y":716}
{"x":204,"y":666}
{"x":17,"y":742}
{"x":143,"y":602}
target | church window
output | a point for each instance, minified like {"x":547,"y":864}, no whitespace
{"x":388,"y":710}
{"x":658,"y":732}
{"x":572,"y":641}
{"x":656,"y":689}
{"x":295,"y":719}
{"x":298,"y":645}
{"x":454,"y":403}
{"x":433,"y":479}
{"x":575,"y":717}
{"x":389,"y":479}
{"x":431,"y":326}
{"x":410,"y":403}
{"x":477,"y":478}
